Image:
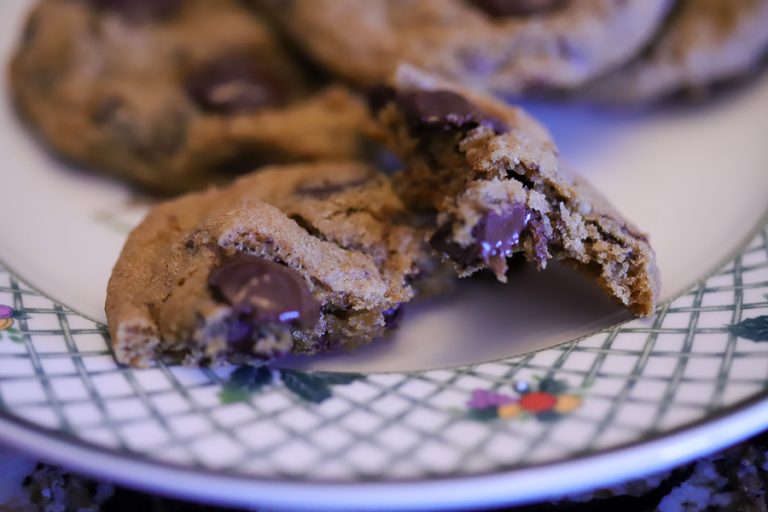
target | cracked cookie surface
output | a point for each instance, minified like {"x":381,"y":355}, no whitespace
{"x":298,"y":259}
{"x":495,"y":180}
{"x":508,"y":47}
{"x":172,"y":95}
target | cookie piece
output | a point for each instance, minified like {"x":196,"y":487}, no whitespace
{"x":173,"y":95}
{"x":509,"y":47}
{"x":705,"y":42}
{"x":494,"y":177}
{"x":298,"y":258}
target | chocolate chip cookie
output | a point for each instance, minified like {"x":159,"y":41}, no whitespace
{"x":508,"y":46}
{"x":705,"y":42}
{"x":494,"y":177}
{"x":298,"y":259}
{"x":172,"y":95}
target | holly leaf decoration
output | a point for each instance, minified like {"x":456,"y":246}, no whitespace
{"x":232,"y":395}
{"x":548,"y":416}
{"x":334,"y":378}
{"x":15,"y":335}
{"x":552,"y":386}
{"x":251,"y":377}
{"x":244,"y":382}
{"x":755,"y":329}
{"x":312,"y":387}
{"x":484,"y":414}
{"x":307,"y":386}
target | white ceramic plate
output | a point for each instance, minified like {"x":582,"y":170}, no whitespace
{"x":492,"y":394}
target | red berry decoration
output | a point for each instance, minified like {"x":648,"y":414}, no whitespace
{"x":537,"y":401}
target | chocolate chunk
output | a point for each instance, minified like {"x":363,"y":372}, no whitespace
{"x":263,"y":292}
{"x":139,"y":10}
{"x":496,"y":236}
{"x":429,"y":111}
{"x":498,"y":233}
{"x":442,"y":242}
{"x":510,"y":8}
{"x":236,"y":83}
{"x":379,"y":96}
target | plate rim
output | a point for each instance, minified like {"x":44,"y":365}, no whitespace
{"x":488,"y":488}
{"x":496,"y":486}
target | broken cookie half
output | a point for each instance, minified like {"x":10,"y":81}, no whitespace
{"x":494,"y":178}
{"x":297,"y":259}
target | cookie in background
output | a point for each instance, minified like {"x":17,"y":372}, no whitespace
{"x":174,"y":95}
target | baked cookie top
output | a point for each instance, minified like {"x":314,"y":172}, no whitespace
{"x":172,"y":94}
{"x":296,"y":258}
{"x":494,"y":177}
{"x":704,"y":42}
{"x":507,"y":46}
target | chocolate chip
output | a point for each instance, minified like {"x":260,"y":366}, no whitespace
{"x":496,"y":236}
{"x":442,"y":242}
{"x":379,"y":96}
{"x":510,"y":8}
{"x":429,"y":111}
{"x":236,"y":82}
{"x":263,"y":292}
{"x":498,"y":233}
{"x":139,"y":10}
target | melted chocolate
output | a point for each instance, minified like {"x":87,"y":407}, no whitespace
{"x":262,"y":292}
{"x":236,"y":83}
{"x":429,"y":111}
{"x":441,"y":241}
{"x":496,"y":236}
{"x":379,"y":96}
{"x":511,"y":8}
